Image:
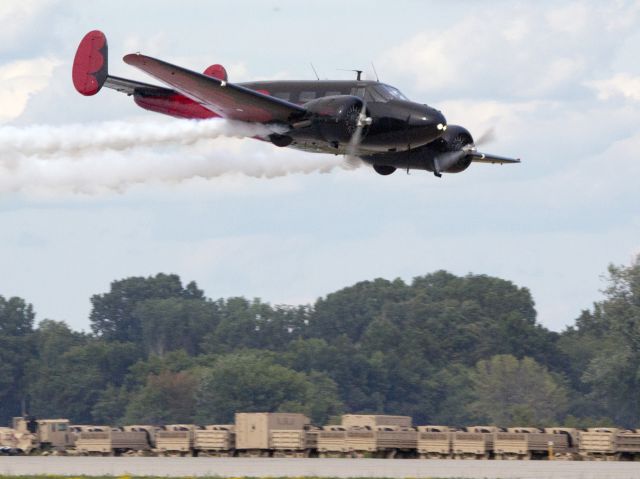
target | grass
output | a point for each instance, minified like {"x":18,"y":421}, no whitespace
{"x":59,"y":476}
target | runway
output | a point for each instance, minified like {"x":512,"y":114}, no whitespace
{"x":272,"y":467}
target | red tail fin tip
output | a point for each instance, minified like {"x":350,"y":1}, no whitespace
{"x":90,"y":65}
{"x":216,"y":71}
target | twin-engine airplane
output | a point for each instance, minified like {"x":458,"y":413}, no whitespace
{"x":361,"y":119}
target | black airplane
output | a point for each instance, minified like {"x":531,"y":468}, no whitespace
{"x":361,"y":119}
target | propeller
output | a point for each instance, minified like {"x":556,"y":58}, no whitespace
{"x":362,"y":120}
{"x":446,"y":160}
{"x":489,"y":136}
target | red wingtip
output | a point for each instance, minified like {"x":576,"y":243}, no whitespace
{"x":90,"y":65}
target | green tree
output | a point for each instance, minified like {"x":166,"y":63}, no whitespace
{"x":16,"y":348}
{"x":465,"y":319}
{"x":71,"y":386}
{"x":255,"y":324}
{"x":110,"y":405}
{"x":350,"y":310}
{"x":175,"y":323}
{"x":362,"y":378}
{"x":613,"y":373}
{"x":113,"y":314}
{"x":166,"y":398}
{"x":174,"y":361}
{"x":516,"y":392}
{"x":250,"y":382}
{"x":453,"y":390}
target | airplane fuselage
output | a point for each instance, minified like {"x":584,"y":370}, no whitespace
{"x":397,"y":123}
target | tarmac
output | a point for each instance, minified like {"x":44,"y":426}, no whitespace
{"x":274,"y":467}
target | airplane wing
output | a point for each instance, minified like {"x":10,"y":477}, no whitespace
{"x":489,"y":158}
{"x":227,"y":100}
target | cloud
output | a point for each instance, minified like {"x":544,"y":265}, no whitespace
{"x":521,"y":51}
{"x":19,"y":81}
{"x":15,"y":15}
{"x":27,"y":27}
{"x":621,"y":84}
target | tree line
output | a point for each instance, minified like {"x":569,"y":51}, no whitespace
{"x":444,"y":349}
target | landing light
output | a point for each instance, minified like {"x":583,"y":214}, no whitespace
{"x":440,"y":126}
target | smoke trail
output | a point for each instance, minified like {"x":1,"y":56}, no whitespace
{"x":113,"y":156}
{"x":77,"y":139}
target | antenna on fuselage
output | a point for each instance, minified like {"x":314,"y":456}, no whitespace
{"x":358,"y":72}
{"x":375,"y":72}
{"x":314,"y":71}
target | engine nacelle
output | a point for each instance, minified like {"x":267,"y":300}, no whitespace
{"x":336,"y":117}
{"x":455,"y":138}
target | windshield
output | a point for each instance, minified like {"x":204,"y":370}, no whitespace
{"x":383,"y":93}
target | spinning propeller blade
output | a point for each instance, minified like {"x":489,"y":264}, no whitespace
{"x":486,"y":138}
{"x":444,"y":161}
{"x":362,"y":120}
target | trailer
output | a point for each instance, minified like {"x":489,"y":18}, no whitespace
{"x":275,"y":433}
{"x":628,"y":444}
{"x":434,"y":442}
{"x":527,"y":443}
{"x":373,"y":420}
{"x":175,"y":440}
{"x":382,"y":441}
{"x":599,"y":444}
{"x":216,"y":440}
{"x":475,"y":442}
{"x":332,"y":441}
{"x":112,"y":442}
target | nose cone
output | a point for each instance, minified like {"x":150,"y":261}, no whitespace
{"x":425,"y":125}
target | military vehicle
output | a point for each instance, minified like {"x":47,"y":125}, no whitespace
{"x":292,"y":435}
{"x":215,"y":440}
{"x":373,"y":420}
{"x":332,"y":441}
{"x":112,"y":442}
{"x":475,"y":442}
{"x":175,"y":440}
{"x":276,"y":433}
{"x":628,"y":444}
{"x":599,"y":443}
{"x":44,"y":434}
{"x":434,"y":442}
{"x":528,"y":443}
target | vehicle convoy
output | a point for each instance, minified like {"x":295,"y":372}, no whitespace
{"x":279,"y":434}
{"x":361,"y":119}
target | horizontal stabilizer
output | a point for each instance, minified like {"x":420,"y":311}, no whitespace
{"x":123,"y":85}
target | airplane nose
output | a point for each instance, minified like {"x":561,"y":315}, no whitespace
{"x":426,"y":125}
{"x":438,"y":119}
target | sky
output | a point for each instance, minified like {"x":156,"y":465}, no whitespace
{"x":558,"y":82}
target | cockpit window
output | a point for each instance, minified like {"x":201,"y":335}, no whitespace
{"x":374,"y":96}
{"x":358,"y":92}
{"x":383,"y":93}
{"x":394,"y":92}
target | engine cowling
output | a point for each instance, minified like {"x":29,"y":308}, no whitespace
{"x":453,"y":140}
{"x":336,"y":117}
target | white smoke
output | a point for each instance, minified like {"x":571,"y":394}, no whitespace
{"x":113,"y":156}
